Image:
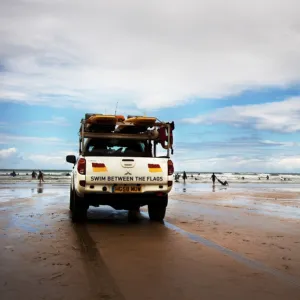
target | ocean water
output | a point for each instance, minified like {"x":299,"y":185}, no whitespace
{"x":62,"y":176}
{"x":50,"y":176}
{"x":198,"y":177}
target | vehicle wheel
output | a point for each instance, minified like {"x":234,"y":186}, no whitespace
{"x":71,"y":200}
{"x":157,"y":210}
{"x":79,"y":209}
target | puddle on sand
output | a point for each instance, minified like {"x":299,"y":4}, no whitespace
{"x":11,"y":194}
{"x":40,"y":195}
{"x":17,"y":191}
{"x":264,"y":208}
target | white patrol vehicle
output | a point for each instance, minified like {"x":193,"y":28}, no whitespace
{"x":118,"y":165}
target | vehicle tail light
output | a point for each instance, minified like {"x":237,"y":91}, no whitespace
{"x":170,"y":167}
{"x":170,"y":183}
{"x":81,"y":166}
{"x":82,"y":183}
{"x":160,"y":194}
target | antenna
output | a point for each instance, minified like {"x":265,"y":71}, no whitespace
{"x":116,"y":108}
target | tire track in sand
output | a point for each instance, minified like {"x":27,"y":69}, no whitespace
{"x":101,"y":281}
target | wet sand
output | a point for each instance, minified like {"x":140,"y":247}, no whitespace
{"x":239,"y":243}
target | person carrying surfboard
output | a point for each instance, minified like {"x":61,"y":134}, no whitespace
{"x":41,"y":177}
{"x":184,"y":176}
{"x":213,"y":178}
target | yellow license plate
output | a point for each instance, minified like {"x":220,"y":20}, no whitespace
{"x":128,"y":189}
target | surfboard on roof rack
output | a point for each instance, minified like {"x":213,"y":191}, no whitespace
{"x":141,"y":124}
{"x":102,"y":123}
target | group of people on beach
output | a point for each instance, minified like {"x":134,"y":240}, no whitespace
{"x":34,"y":175}
{"x":213,"y":178}
{"x":40,"y":176}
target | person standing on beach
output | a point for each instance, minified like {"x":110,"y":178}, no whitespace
{"x":41,"y":177}
{"x":213,"y":178}
{"x":184,"y":176}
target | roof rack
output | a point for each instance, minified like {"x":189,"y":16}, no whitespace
{"x":85,"y":132}
{"x":146,"y":135}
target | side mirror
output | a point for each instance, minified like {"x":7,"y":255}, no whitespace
{"x":71,"y":159}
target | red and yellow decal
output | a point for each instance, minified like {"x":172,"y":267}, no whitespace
{"x":99,"y":167}
{"x":154,"y":168}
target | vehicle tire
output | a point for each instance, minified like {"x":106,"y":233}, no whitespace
{"x":157,"y":209}
{"x":71,"y":199}
{"x":79,"y":209}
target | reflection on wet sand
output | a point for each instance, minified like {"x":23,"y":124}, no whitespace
{"x":40,"y":188}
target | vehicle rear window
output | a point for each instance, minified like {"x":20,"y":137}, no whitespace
{"x":116,"y":147}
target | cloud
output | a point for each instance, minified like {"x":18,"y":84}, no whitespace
{"x":6,"y":153}
{"x":282,"y":116}
{"x":11,"y":158}
{"x":242,"y":144}
{"x":52,"y":161}
{"x":241,"y":163}
{"x":58,"y":121}
{"x":238,"y":154}
{"x":10,"y":139}
{"x":144,"y":54}
{"x":4,"y":139}
{"x":284,"y":144}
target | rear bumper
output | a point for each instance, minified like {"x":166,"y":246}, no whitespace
{"x":107,"y":189}
{"x":125,"y":201}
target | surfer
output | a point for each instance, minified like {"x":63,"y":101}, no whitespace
{"x":41,"y":177}
{"x":33,"y":174}
{"x":213,"y":178}
{"x":184,"y":176}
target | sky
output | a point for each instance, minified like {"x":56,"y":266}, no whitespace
{"x":227,"y":72}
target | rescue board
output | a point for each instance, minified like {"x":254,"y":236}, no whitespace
{"x":102,"y":119}
{"x":102,"y":123}
{"x":141,"y":121}
{"x":140,"y":124}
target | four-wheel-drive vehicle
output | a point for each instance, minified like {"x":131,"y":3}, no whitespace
{"x":118,"y":165}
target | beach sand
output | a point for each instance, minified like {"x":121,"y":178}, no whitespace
{"x":261,"y":222}
{"x":242,"y":242}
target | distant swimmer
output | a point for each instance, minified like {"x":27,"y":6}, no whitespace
{"x":41,"y":177}
{"x":184,"y":176}
{"x":33,"y":174}
{"x":213,"y":178}
{"x":13,"y":174}
{"x":268,"y":177}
